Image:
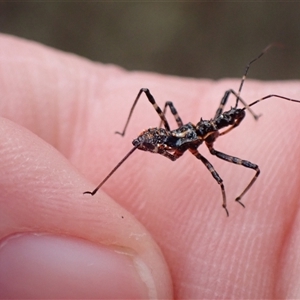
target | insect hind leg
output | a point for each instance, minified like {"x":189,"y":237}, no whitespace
{"x":215,"y":175}
{"x":174,"y":113}
{"x":154,"y":104}
{"x":241,"y":162}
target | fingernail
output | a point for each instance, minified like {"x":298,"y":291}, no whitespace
{"x":49,"y":266}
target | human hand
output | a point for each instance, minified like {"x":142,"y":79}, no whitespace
{"x":76,"y":106}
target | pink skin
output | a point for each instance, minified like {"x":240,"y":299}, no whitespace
{"x":76,"y":105}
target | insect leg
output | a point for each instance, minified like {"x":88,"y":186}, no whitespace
{"x":224,"y":101}
{"x":222,"y":104}
{"x":237,"y":95}
{"x":172,"y":156}
{"x":156,"y":107}
{"x":237,"y":161}
{"x":214,"y":173}
{"x":174,"y":113}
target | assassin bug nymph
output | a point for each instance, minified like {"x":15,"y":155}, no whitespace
{"x":173,"y":143}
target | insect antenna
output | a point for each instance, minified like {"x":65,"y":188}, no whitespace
{"x":270,"y":96}
{"x":112,"y":171}
{"x":244,"y":78}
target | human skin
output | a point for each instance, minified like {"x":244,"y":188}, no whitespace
{"x":167,"y":214}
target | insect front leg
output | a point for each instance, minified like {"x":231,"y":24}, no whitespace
{"x":225,"y":99}
{"x":172,"y":156}
{"x":237,"y":95}
{"x":237,"y":161}
{"x":214,"y":173}
{"x":154,"y":104}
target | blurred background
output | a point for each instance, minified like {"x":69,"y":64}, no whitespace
{"x":195,"y":39}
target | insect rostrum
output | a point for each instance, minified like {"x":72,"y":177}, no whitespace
{"x":188,"y":137}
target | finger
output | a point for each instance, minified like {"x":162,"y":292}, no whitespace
{"x":179,"y":202}
{"x":57,"y":242}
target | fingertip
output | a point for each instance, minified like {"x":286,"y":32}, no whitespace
{"x":50,"y":266}
{"x":42,"y":193}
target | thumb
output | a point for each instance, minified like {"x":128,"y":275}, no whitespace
{"x":57,"y":242}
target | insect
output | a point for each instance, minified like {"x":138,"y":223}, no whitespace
{"x":188,"y":137}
